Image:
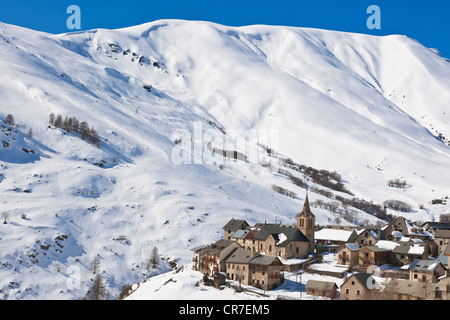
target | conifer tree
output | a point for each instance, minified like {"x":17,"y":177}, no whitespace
{"x":10,"y":120}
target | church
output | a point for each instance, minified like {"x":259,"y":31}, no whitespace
{"x":285,"y":241}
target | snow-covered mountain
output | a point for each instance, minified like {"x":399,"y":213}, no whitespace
{"x":372,"y":109}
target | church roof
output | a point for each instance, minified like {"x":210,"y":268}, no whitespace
{"x":287,"y":234}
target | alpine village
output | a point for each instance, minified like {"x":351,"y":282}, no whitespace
{"x":397,"y":261}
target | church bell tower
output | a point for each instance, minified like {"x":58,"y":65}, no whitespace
{"x":306,"y":221}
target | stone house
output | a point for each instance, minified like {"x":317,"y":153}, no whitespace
{"x":444,"y":287}
{"x":366,"y":237}
{"x":321,"y":288}
{"x":398,"y":289}
{"x":233,"y":225}
{"x":432,"y":227}
{"x":372,"y":256}
{"x":407,"y":252}
{"x":399,"y":228}
{"x":348,"y":254}
{"x":359,"y":286}
{"x":441,"y":238}
{"x":210,"y":259}
{"x":246,"y":238}
{"x":444,"y":257}
{"x":330,"y":239}
{"x":262,"y":271}
{"x":426,"y":270}
{"x":283,"y":241}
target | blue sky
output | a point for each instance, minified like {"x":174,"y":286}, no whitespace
{"x":426,"y":21}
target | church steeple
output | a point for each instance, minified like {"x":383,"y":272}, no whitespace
{"x":306,"y":222}
{"x":306,"y":209}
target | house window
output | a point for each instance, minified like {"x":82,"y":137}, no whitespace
{"x":358,"y":292}
{"x":347,"y":291}
{"x":296,"y":250}
{"x":353,"y":283}
{"x":270,"y":248}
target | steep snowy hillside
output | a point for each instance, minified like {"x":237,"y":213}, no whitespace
{"x":161,"y":97}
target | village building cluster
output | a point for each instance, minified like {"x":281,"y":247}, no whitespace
{"x":259,"y":255}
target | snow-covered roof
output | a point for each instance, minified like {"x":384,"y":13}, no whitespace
{"x":424,"y":265}
{"x":333,"y":234}
{"x":416,"y":249}
{"x":386,"y":245}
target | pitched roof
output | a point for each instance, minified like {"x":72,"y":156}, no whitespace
{"x":290,"y":233}
{"x":410,"y":248}
{"x":352,"y":246}
{"x":373,"y":248}
{"x":424,"y":265}
{"x":365,"y":279}
{"x":240,"y":234}
{"x":442,"y":233}
{"x":262,"y":259}
{"x":234,"y":224}
{"x":333,"y":234}
{"x":239,"y":255}
{"x":436,"y":225}
{"x":320,"y":285}
{"x":413,"y":288}
{"x":447,"y":250}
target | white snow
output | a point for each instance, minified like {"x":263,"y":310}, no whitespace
{"x":416,"y":249}
{"x":281,"y":238}
{"x":387,"y":245}
{"x":332,"y":234}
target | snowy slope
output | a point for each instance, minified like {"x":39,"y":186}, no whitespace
{"x":368,"y":107}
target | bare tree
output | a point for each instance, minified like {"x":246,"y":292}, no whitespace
{"x":97,"y":291}
{"x":51,"y":119}
{"x":5,"y":215}
{"x":58,"y":121}
{"x":95,"y":265}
